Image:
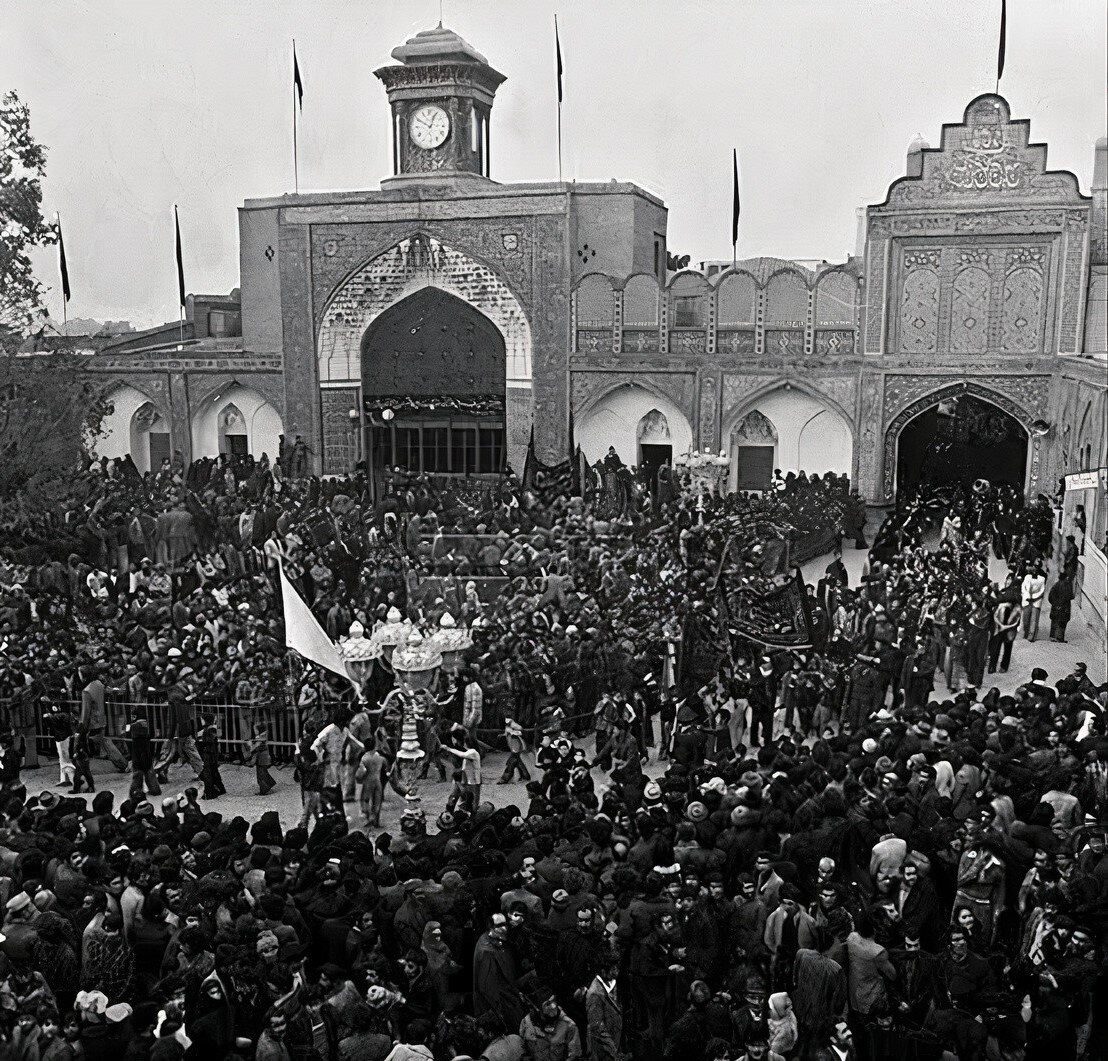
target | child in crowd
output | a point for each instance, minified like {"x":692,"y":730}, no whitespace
{"x":208,"y":740}
{"x":309,"y":772}
{"x":258,"y":753}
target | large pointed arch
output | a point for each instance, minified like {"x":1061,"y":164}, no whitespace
{"x":613,"y":418}
{"x":815,"y":433}
{"x":732,"y":417}
{"x":942,"y":393}
{"x":114,"y":439}
{"x":257,"y":419}
{"x":408,"y":266}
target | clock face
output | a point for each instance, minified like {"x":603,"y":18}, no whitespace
{"x":429,"y":127}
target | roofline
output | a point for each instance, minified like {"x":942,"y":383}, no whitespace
{"x":947,"y":126}
{"x":442,"y":191}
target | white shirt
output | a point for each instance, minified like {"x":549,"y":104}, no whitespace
{"x":1032,"y":589}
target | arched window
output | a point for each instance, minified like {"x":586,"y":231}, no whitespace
{"x":640,"y":302}
{"x":835,"y":300}
{"x":787,"y":300}
{"x":233,"y":434}
{"x":594,"y":302}
{"x":736,"y":299}
{"x":688,"y":301}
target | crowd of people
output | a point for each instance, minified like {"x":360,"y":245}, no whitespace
{"x":729,"y":849}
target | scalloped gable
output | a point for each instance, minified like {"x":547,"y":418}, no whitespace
{"x":987,"y":156}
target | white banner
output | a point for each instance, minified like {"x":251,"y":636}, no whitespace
{"x":303,"y":633}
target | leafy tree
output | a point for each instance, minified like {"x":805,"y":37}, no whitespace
{"x":676,"y":262}
{"x":22,"y":226}
{"x":50,"y":409}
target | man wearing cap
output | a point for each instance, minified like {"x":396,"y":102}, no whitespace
{"x":547,"y":1033}
{"x":19,"y":930}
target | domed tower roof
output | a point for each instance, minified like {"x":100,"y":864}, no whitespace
{"x":438,"y":45}
{"x":915,"y":156}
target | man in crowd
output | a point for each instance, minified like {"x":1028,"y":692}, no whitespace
{"x":831,"y":892}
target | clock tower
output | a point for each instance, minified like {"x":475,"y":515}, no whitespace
{"x":441,"y":97}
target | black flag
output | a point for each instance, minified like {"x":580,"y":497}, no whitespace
{"x":558,"y":56}
{"x":180,"y":261}
{"x":735,"y":200}
{"x":297,"y":84}
{"x":1003,"y":41}
{"x":62,"y":262}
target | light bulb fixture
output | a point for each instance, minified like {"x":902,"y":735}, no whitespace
{"x":387,"y":415}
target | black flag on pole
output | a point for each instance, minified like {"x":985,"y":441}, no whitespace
{"x":297,"y":84}
{"x":180,"y":260}
{"x":735,"y":199}
{"x":558,"y":56}
{"x":62,"y":265}
{"x":1003,"y":41}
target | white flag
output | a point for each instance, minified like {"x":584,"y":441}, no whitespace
{"x":303,"y":633}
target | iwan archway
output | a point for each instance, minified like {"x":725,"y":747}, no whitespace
{"x":433,"y":371}
{"x":417,"y":264}
{"x":956,"y":436}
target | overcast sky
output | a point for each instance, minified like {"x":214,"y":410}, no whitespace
{"x":143,"y":103}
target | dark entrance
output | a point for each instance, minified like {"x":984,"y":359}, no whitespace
{"x":651,"y":458}
{"x":433,"y":376}
{"x":755,"y":467}
{"x":159,"y":449}
{"x":961,"y":440}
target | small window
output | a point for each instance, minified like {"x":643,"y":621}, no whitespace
{"x":223,"y":323}
{"x":436,"y":449}
{"x":490,"y":456}
{"x":463,"y":449}
{"x":687,"y":312}
{"x":407,"y":448}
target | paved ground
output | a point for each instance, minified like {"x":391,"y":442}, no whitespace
{"x":242,"y":794}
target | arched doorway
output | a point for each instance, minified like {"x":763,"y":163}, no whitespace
{"x":433,"y":373}
{"x":625,"y":418}
{"x":116,"y":438}
{"x":805,"y":433}
{"x":238,"y":421}
{"x":959,"y":439}
{"x":754,"y":452}
{"x":655,"y":444}
{"x":413,"y":264}
{"x":232,"y":432}
{"x":149,"y":438}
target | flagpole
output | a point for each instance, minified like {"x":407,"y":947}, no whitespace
{"x":295,"y":158}
{"x":180,"y":278}
{"x":65,"y":307}
{"x":1002,"y":45}
{"x":734,"y":207}
{"x":558,"y":49}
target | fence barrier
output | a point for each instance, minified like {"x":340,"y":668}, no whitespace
{"x":236,"y":724}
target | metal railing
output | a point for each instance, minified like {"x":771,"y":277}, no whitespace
{"x":235,"y":725}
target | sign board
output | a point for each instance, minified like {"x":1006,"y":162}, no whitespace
{"x":1082,"y":481}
